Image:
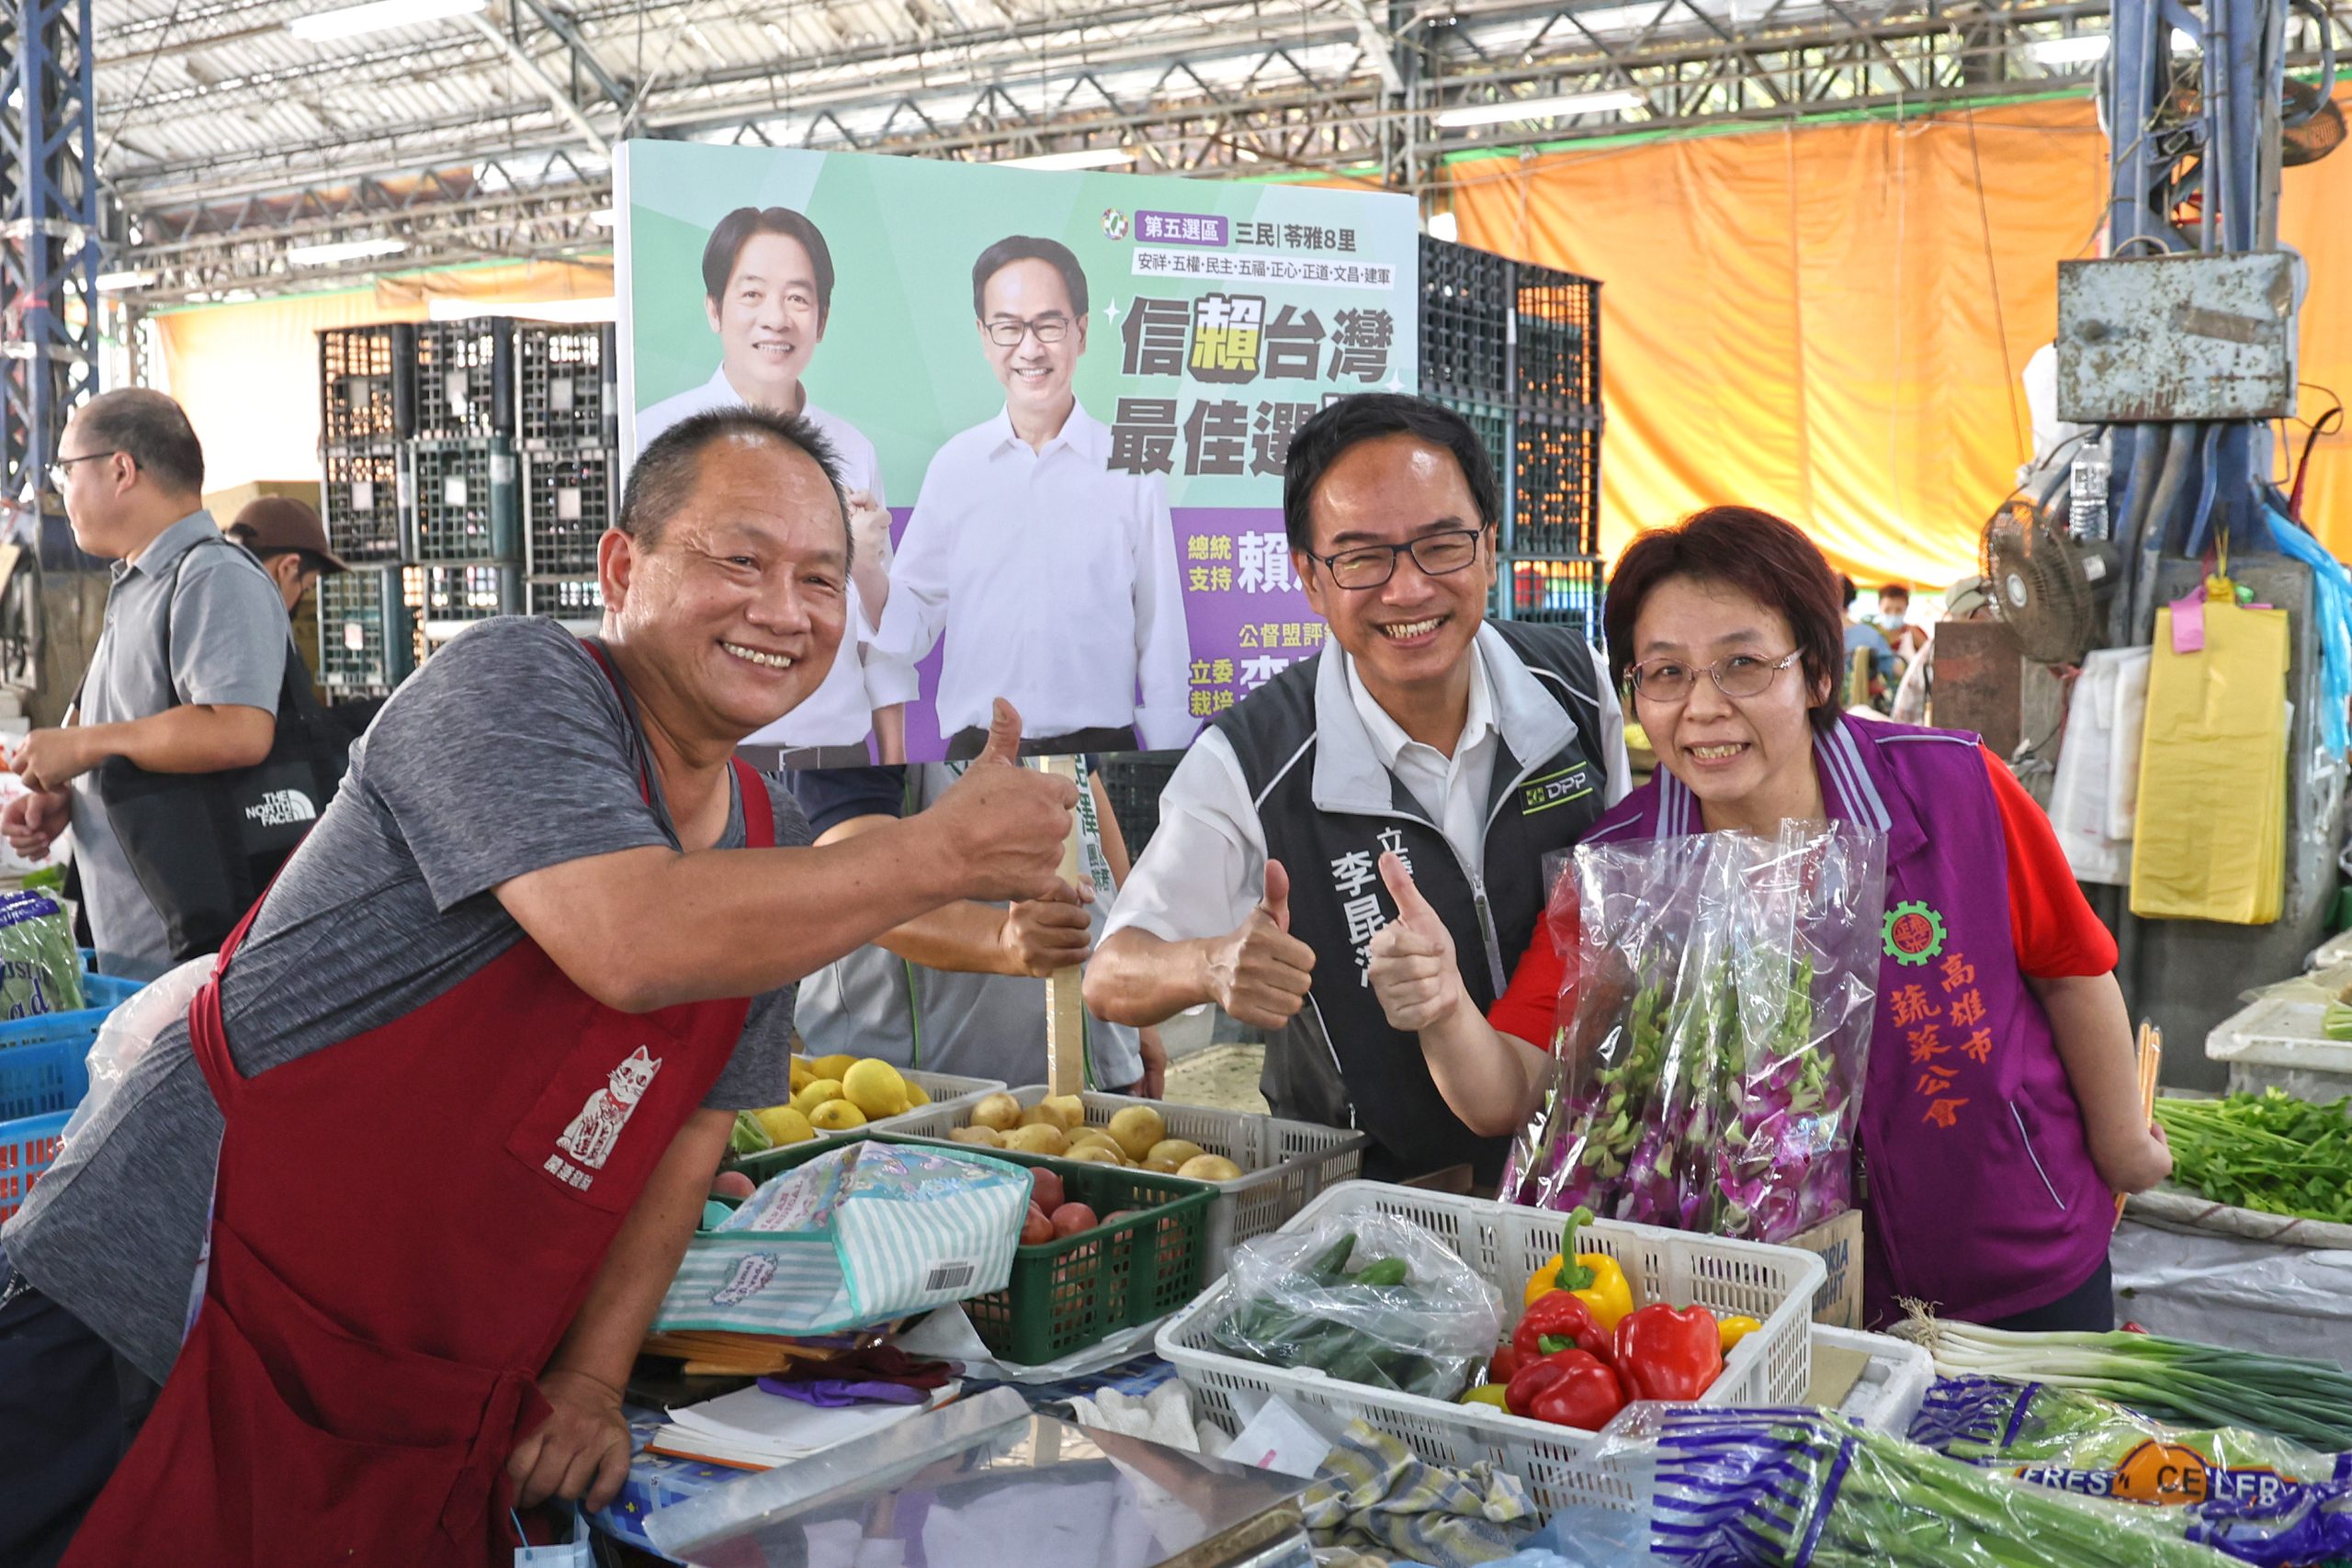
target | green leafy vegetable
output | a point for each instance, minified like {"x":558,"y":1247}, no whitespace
{"x":2267,"y":1151}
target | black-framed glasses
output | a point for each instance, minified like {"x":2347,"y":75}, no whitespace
{"x":62,"y":469}
{"x":1735,"y":675}
{"x":1369,"y":566}
{"x":1008,"y":335}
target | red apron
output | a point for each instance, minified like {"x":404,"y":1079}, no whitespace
{"x":405,"y":1225}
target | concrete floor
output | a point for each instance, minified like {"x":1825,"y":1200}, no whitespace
{"x":1222,"y":1077}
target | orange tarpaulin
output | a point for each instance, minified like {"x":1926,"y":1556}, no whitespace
{"x":1829,"y":321}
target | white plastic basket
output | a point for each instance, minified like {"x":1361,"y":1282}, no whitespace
{"x":1284,"y":1164}
{"x":2279,"y":1043}
{"x":1892,"y":1388}
{"x":1504,"y":1243}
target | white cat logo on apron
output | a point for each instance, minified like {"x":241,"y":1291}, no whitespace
{"x":591,"y":1134}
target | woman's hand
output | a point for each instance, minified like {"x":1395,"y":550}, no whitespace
{"x":2138,"y":1164}
{"x":1413,"y":971}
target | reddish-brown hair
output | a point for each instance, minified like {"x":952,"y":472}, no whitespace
{"x":1762,"y":556}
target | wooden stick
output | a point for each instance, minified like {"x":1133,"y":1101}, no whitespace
{"x":2152,"y":1053}
{"x":1065,"y":1005}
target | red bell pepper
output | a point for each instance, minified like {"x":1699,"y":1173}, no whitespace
{"x":1566,"y":1388}
{"x":1559,"y":1322}
{"x":1667,"y":1353}
{"x":1504,"y":1365}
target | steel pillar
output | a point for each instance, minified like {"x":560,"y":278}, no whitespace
{"x":49,"y":254}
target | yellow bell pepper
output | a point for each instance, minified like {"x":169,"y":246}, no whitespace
{"x":1485,"y":1393}
{"x":1608,"y":1298}
{"x":1732,"y":1330}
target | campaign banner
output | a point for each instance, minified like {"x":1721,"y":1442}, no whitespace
{"x":1070,"y":394}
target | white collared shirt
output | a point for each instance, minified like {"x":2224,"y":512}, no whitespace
{"x":840,"y":712}
{"x":1206,"y":866}
{"x":1055,"y":581}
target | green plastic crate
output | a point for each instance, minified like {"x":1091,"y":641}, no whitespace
{"x":1068,"y":1294}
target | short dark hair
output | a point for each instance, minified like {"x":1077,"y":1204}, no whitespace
{"x":665,"y":472}
{"x":1765,"y":558}
{"x":1352,"y":421}
{"x":149,"y":429}
{"x":1024,"y":247}
{"x":311,"y":559}
{"x":1895,"y":590}
{"x":732,"y":232}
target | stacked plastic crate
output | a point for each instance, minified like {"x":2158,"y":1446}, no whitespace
{"x":1515,"y":349}
{"x":368,"y":408}
{"x":568,"y":423}
{"x":463,"y":527}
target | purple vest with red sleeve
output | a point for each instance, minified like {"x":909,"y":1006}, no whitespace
{"x":1979,"y":1191}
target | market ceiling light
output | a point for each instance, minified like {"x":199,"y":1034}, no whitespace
{"x":343,"y":251}
{"x":1540,"y":108}
{"x":1084,"y":158}
{"x":116,"y":282}
{"x":2079,"y":49}
{"x":377,"y":15}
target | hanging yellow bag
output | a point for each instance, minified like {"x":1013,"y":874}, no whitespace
{"x":2212,"y":843}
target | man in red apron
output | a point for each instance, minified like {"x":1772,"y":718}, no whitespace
{"x":470,"y":1068}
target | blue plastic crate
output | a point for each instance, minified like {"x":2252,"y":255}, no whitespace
{"x":27,"y":1146}
{"x":46,"y":1028}
{"x":38,"y":1079}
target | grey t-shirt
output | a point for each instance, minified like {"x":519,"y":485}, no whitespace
{"x":508,"y":752}
{"x":228,"y":647}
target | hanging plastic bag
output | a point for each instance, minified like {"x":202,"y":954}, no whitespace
{"x":1366,"y":1298}
{"x":1712,"y":1077}
{"x":132,"y":1028}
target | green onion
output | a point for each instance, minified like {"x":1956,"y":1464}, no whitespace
{"x":2173,"y":1380}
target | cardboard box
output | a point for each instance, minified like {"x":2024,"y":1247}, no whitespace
{"x":1837,"y":1241}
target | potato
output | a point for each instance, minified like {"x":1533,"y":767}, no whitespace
{"x":1177,"y":1149}
{"x":1045,"y":1189}
{"x":1139,"y":1128}
{"x":1038,"y":1116}
{"x":1036,"y":1140}
{"x":998,"y":1112}
{"x":1072,"y":1218}
{"x":1095,"y":1153}
{"x":1036,"y":1229}
{"x":1097,"y":1135}
{"x":731,"y":1184}
{"x":1067,"y":1110}
{"x":1161,"y":1165}
{"x":985,"y":1137}
{"x":1210,"y":1168}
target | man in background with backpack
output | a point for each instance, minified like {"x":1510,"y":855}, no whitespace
{"x":186,"y":675}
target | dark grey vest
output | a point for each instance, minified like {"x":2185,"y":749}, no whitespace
{"x":1338,"y":1062}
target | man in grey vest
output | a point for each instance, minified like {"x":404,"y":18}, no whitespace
{"x":1472,"y":750}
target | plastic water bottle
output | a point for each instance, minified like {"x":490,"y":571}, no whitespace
{"x":2086,"y":484}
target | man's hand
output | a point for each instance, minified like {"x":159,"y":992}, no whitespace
{"x":1413,"y":971}
{"x":50,"y":759}
{"x":581,"y":1452}
{"x":1043,"y":936}
{"x":1003,"y":823}
{"x":869,"y":528}
{"x":32,"y":822}
{"x":1154,"y":1082}
{"x":2141,"y":1161}
{"x":1259,"y":972}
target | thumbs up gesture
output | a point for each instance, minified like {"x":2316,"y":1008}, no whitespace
{"x":1259,"y":972}
{"x":1412,"y":968}
{"x":1005,"y":824}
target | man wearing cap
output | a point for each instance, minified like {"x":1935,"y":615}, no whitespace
{"x":289,"y":541}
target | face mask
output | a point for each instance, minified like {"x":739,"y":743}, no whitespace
{"x":1893,"y":620}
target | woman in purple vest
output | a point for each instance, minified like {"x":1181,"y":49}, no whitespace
{"x":2002,"y":1107}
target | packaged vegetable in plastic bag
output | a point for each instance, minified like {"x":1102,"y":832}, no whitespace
{"x":2078,"y":1442}
{"x":1366,"y":1298}
{"x":1712,"y":1077}
{"x":40,"y":968}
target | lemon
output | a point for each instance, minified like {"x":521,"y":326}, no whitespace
{"x":834,"y":1066}
{"x":817,"y":1093}
{"x":801,"y":1074}
{"x":915,"y":1096}
{"x":783,"y":1126}
{"x":874,"y":1088}
{"x":837,"y":1116}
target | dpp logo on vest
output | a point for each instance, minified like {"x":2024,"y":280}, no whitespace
{"x":1556,"y":789}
